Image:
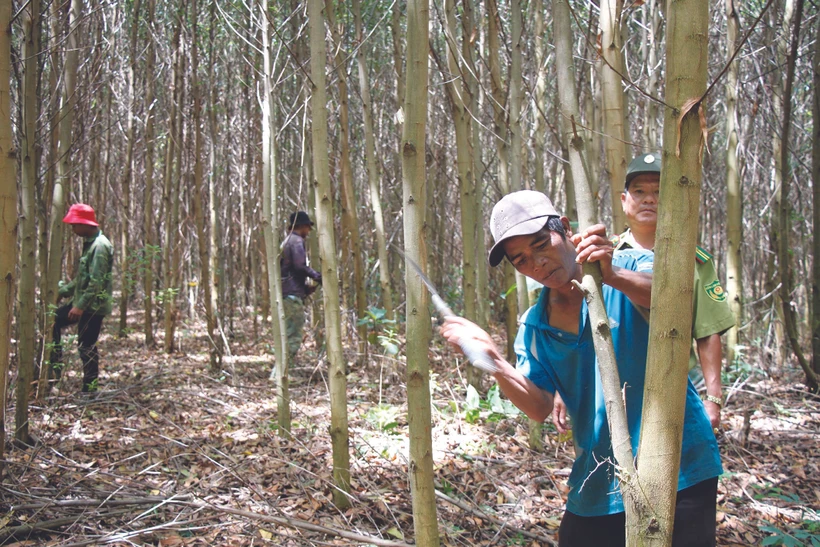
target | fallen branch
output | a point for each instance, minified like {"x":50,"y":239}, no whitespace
{"x":496,"y":521}
{"x":302,"y":524}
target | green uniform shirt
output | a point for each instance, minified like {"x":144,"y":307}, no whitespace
{"x":91,"y":290}
{"x":710,"y":307}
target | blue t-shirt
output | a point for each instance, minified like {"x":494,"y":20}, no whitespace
{"x":556,"y":360}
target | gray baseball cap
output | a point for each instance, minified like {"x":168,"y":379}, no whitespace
{"x":518,"y":214}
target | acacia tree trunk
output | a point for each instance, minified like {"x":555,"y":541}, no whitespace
{"x":171,"y":190}
{"x":371,"y":165}
{"x":773,"y":276}
{"x":217,"y":347}
{"x":591,"y":283}
{"x":815,"y":171}
{"x":148,"y":196}
{"x":351,"y":241}
{"x":734,"y":197}
{"x":414,"y":182}
{"x":55,"y":247}
{"x":339,"y":434}
{"x":516,"y":131}
{"x":651,"y":44}
{"x":500,"y":130}
{"x":8,"y":215}
{"x":202,"y":238}
{"x":784,"y":228}
{"x":270,"y":230}
{"x":128,"y":283}
{"x":614,"y":111}
{"x":459,"y":96}
{"x":26,"y":316}
{"x":664,"y":399}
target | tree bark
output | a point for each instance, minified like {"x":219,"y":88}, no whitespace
{"x":460,"y":97}
{"x":784,"y":228}
{"x":327,"y":248}
{"x":55,"y":247}
{"x":734,"y":196}
{"x":128,"y":283}
{"x":26,"y":316}
{"x":664,"y":400}
{"x":815,"y":166}
{"x":148,"y":196}
{"x":8,"y":214}
{"x":198,"y":198}
{"x":352,"y":252}
{"x":414,"y":185}
{"x":270,"y":229}
{"x":591,"y":282}
{"x":500,"y":130}
{"x":614,"y":110}
{"x":371,"y":164}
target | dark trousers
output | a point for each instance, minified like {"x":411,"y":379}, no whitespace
{"x":88,"y":330}
{"x":695,"y":514}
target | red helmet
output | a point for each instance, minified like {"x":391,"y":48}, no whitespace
{"x":80,"y":213}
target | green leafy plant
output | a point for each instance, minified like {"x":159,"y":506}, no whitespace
{"x":384,"y":418}
{"x":791,"y":537}
{"x":381,"y":330}
{"x":493,"y":406}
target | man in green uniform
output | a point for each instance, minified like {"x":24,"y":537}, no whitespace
{"x":711,"y":315}
{"x":90,"y":292}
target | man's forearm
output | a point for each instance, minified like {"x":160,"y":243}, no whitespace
{"x":531,"y":400}
{"x":710,"y":355}
{"x":637,"y":286}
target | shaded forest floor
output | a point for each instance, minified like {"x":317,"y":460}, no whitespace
{"x":169,"y":454}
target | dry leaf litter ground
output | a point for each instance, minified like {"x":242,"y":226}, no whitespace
{"x":168,"y":454}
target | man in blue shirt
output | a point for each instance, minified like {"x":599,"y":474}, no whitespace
{"x":555,"y":353}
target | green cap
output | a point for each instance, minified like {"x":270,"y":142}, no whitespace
{"x":645,"y":163}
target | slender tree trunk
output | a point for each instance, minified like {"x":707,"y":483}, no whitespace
{"x":339,"y":434}
{"x":652,"y":23}
{"x":516,"y":130}
{"x":215,"y":303}
{"x":459,"y":96}
{"x":148,"y":197}
{"x":773,"y":276}
{"x":8,"y":215}
{"x":55,"y":247}
{"x":614,"y":111}
{"x":26,"y":316}
{"x":734,"y":197}
{"x":784,"y":228}
{"x":540,"y":96}
{"x":270,"y":229}
{"x":591,"y":283}
{"x":664,"y":398}
{"x":128,"y":283}
{"x":815,"y":166}
{"x":500,"y":130}
{"x":371,"y":164}
{"x":414,"y":179}
{"x":202,"y":239}
{"x":171,"y":190}
{"x":352,"y":252}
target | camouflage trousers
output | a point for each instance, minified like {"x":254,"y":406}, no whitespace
{"x":294,"y":325}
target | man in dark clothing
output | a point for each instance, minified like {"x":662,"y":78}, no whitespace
{"x":90,"y":292}
{"x":295,"y":275}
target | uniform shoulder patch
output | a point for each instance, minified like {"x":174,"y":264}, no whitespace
{"x":701,"y":256}
{"x":715,"y":291}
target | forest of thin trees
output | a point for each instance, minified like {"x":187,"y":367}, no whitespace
{"x":194,"y":129}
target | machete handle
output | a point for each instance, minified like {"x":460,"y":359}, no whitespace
{"x":477,"y":356}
